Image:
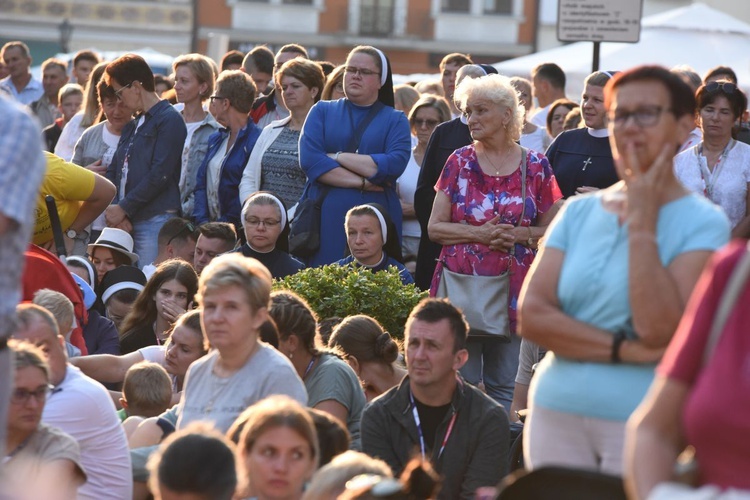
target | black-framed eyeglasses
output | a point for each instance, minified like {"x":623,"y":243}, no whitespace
{"x":187,"y":227}
{"x":22,"y":396}
{"x":726,"y":87}
{"x":363,"y":72}
{"x":256,"y":222}
{"x":214,"y":97}
{"x":645,"y":116}
{"x":118,"y":93}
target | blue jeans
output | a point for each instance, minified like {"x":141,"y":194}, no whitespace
{"x":495,"y":363}
{"x":145,"y":238}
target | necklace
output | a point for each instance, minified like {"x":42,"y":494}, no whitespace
{"x":505,"y":157}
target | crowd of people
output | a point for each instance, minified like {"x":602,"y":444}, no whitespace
{"x":584,"y":296}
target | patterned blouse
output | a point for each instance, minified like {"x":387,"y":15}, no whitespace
{"x":476,"y":198}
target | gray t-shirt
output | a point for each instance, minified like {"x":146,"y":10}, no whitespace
{"x":220,"y":400}
{"x":332,"y":379}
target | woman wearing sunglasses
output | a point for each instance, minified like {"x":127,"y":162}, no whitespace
{"x":719,"y":166}
{"x":426,"y":114}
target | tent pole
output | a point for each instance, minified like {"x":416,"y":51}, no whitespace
{"x":595,"y":63}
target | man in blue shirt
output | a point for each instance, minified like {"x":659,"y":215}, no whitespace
{"x":19,"y":84}
{"x":146,"y":165}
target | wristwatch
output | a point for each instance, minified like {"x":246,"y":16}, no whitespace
{"x":75,"y":235}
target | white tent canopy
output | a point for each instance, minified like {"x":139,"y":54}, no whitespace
{"x":696,"y":35}
{"x":159,"y":62}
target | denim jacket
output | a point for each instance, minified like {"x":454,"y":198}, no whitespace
{"x":229,"y":177}
{"x":154,"y":162}
{"x":196,"y":153}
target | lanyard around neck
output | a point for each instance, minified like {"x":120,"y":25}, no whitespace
{"x":709,"y":178}
{"x":418,"y":422}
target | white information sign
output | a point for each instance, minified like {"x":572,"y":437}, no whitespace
{"x":599,"y":20}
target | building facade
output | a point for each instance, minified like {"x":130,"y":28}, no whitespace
{"x":415,"y":34}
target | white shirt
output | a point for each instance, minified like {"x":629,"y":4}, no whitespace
{"x":82,"y":407}
{"x":539,"y":118}
{"x":407,"y":185}
{"x":729,"y":180}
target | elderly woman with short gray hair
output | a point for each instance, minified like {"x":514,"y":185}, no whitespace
{"x":494,"y":201}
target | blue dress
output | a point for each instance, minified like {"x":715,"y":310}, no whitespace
{"x":406,"y":277}
{"x":328,"y":129}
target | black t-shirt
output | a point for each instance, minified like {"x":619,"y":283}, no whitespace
{"x":431,"y":417}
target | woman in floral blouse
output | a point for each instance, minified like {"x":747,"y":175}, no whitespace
{"x":477,"y":210}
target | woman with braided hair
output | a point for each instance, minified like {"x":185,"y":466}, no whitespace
{"x":332,"y":386}
{"x":371,"y":352}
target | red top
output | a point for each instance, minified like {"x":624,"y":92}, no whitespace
{"x":44,"y":270}
{"x":716,"y":416}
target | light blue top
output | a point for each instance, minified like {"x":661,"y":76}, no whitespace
{"x":593,"y":288}
{"x":33,"y":90}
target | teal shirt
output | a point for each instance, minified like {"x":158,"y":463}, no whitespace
{"x":593,"y":288}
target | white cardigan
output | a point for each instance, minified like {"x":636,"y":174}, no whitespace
{"x":250,"y":182}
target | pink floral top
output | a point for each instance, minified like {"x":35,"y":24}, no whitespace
{"x":476,"y":198}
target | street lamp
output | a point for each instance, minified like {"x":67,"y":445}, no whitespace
{"x":66,"y":30}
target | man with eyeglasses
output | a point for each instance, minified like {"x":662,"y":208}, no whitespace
{"x":269,"y":107}
{"x":81,"y":407}
{"x":176,"y":240}
{"x":146,"y":166}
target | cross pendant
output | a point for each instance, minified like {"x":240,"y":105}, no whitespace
{"x":586,"y":163}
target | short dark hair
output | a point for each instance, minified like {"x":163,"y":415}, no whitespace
{"x":682,"y":100}
{"x":230,"y":58}
{"x":326,"y":66}
{"x":551,"y":73}
{"x":164,"y":80}
{"x":333,"y":437}
{"x":238,"y":88}
{"x":198,"y":460}
{"x":721,"y":70}
{"x":737,"y":99}
{"x":176,"y":229}
{"x":435,"y":310}
{"x":295,"y":48}
{"x":308,"y":72}
{"x":128,"y":69}
{"x":219,"y":230}
{"x":86,"y":55}
{"x":259,"y":59}
{"x":455,"y":58}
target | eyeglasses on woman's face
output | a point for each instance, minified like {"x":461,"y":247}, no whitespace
{"x":644,"y":116}
{"x":361,"y":72}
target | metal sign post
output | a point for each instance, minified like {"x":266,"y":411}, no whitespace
{"x":599,"y":21}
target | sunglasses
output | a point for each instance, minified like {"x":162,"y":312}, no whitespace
{"x":188,"y":226}
{"x":726,"y":87}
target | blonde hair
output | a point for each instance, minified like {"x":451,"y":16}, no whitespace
{"x":330,"y":480}
{"x":498,"y":90}
{"x":59,"y":305}
{"x":234,"y":269}
{"x":147,"y":389}
{"x":201,"y":67}
{"x":68,"y":90}
{"x":26,"y":354}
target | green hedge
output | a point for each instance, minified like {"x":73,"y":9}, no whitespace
{"x":335,"y":290}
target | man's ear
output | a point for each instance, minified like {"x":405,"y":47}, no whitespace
{"x":460,"y":359}
{"x":124,"y":403}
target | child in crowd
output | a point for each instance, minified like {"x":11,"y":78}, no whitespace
{"x":69,"y":99}
{"x":146,"y":392}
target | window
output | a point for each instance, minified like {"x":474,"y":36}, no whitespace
{"x":498,"y":6}
{"x":297,"y":2}
{"x":376,"y":17}
{"x":455,"y":5}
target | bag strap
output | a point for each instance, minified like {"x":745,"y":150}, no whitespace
{"x":360,"y":130}
{"x":734,"y":288}
{"x":352,"y":146}
{"x":524,"y":152}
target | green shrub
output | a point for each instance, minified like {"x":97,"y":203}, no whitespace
{"x":335,"y":290}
